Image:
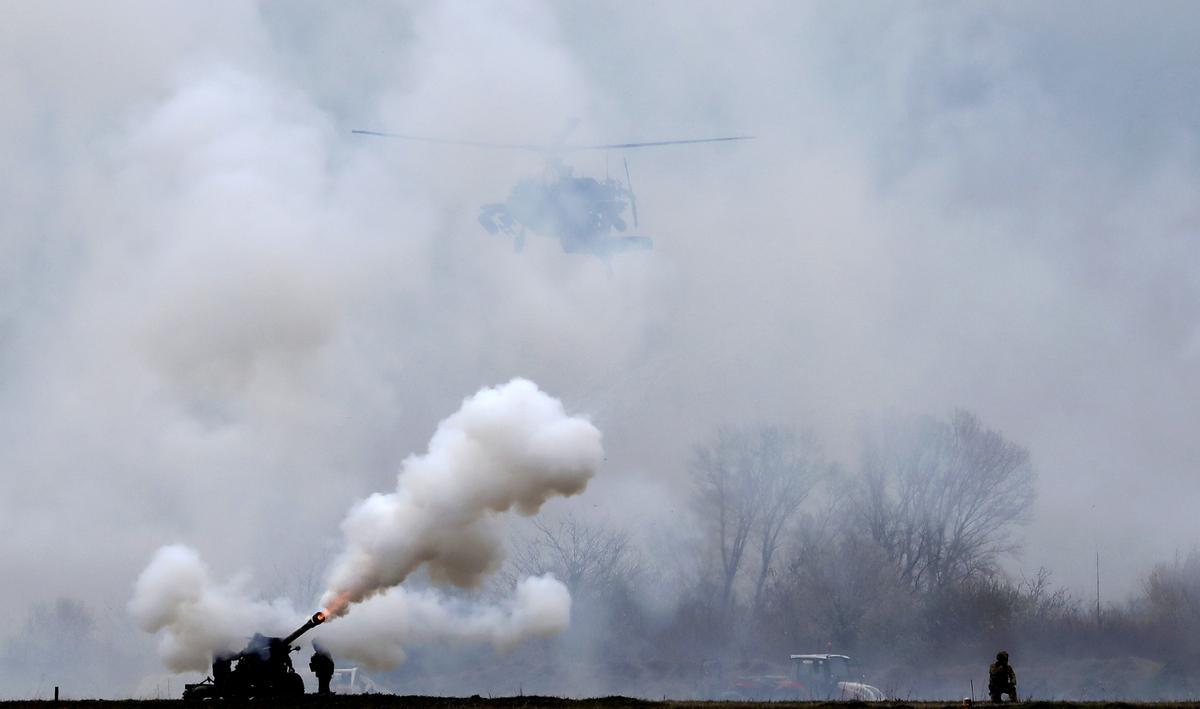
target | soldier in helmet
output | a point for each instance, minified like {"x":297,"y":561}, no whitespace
{"x":1002,"y":679}
{"x":321,"y":665}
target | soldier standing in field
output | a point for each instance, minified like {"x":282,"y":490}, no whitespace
{"x":1002,"y":679}
{"x":321,"y":665}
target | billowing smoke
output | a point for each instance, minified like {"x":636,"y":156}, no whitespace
{"x":509,"y":447}
{"x":198,"y":617}
{"x":379,"y":630}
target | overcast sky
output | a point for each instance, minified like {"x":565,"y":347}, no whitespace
{"x":224,"y":317}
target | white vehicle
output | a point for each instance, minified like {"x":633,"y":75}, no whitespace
{"x":349,"y":680}
{"x":828,"y":677}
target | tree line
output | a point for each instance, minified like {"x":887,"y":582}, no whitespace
{"x":896,"y":559}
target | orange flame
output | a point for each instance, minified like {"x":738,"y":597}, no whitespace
{"x":338,"y":605}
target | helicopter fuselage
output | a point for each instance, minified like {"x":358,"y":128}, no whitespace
{"x":582,"y":212}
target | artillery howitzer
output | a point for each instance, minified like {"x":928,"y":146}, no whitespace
{"x":262,"y":669}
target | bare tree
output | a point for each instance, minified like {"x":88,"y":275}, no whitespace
{"x":750,"y":484}
{"x":942,"y":498}
{"x":727,"y":502}
{"x":589,"y":559}
{"x":1171,"y":600}
{"x":787,"y":467}
{"x":839,"y":582}
{"x":301,"y":580}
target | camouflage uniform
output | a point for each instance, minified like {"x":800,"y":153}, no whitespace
{"x":1002,"y":679}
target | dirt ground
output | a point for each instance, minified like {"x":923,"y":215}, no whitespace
{"x":411,"y":702}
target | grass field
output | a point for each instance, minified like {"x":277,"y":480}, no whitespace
{"x":412,"y":702}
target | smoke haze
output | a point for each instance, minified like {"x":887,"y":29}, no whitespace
{"x":200,"y":618}
{"x":224,"y":319}
{"x":508,"y":447}
{"x":378,"y":632}
{"x":196,"y":618}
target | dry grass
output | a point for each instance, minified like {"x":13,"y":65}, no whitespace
{"x":368,"y":701}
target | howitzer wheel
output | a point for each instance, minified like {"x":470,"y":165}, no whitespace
{"x":292,"y":685}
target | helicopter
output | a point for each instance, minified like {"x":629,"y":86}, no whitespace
{"x":585,"y":214}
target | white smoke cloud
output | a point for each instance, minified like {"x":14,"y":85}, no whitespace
{"x":508,"y":447}
{"x":198,"y":617}
{"x":380,"y":629}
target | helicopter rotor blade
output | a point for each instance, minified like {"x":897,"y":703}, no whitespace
{"x":468,"y":143}
{"x":632,"y":197}
{"x":621,"y":146}
{"x":548,"y":149}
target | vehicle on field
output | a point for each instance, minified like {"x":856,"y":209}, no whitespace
{"x":812,"y":677}
{"x":829,"y":677}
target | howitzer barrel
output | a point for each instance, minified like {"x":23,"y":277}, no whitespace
{"x":313,"y":622}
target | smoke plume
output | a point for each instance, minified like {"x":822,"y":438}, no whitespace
{"x":379,"y":630}
{"x":198,"y":616}
{"x":508,"y":447}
